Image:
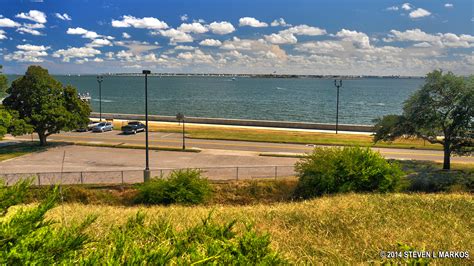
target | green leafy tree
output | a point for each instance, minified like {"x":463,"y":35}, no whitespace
{"x":45,"y":105}
{"x":3,"y":82}
{"x":442,"y":111}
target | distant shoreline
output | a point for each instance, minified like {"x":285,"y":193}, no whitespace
{"x":285,"y":76}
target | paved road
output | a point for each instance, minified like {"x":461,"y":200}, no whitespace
{"x":175,"y":140}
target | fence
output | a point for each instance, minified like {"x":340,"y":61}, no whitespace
{"x":222,"y":174}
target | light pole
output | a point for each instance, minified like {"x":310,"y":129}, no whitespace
{"x":99,"y":80}
{"x":146,"y":172}
{"x":338,"y":85}
{"x":180,"y":117}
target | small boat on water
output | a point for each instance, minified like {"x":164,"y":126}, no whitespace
{"x":233,"y":78}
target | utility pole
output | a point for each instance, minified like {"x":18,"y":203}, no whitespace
{"x":146,"y":172}
{"x":338,"y":85}
{"x":99,"y":80}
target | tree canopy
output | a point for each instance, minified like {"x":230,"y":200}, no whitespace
{"x":3,"y":83}
{"x":441,"y":111}
{"x":44,"y":104}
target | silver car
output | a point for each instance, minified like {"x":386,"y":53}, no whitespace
{"x":102,"y":127}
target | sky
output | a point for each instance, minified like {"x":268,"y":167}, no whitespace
{"x":327,"y":37}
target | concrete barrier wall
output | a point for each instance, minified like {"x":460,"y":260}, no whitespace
{"x":239,"y":122}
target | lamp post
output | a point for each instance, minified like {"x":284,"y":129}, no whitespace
{"x":338,"y":85}
{"x":146,"y":172}
{"x":180,"y":117}
{"x":99,"y":80}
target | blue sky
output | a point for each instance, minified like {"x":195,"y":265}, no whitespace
{"x":259,"y":36}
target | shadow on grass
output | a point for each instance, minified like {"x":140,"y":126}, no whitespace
{"x":427,"y":176}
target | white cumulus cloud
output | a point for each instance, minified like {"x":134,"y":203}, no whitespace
{"x":8,"y":23}
{"x":194,"y":27}
{"x":251,"y":22}
{"x":31,"y":47}
{"x":23,"y":30}
{"x":280,"y":22}
{"x":2,"y":35}
{"x":406,"y":6}
{"x":176,"y":36}
{"x":141,"y":23}
{"x":419,"y":13}
{"x":448,"y":5}
{"x":126,"y":35}
{"x":221,"y":28}
{"x":210,"y":42}
{"x":85,"y":33}
{"x":359,"y":39}
{"x":76,"y":52}
{"x":34,"y":15}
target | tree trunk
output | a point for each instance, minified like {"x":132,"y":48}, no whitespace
{"x":42,"y":137}
{"x":447,"y":157}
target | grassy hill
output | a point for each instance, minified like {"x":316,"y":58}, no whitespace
{"x":349,"y":228}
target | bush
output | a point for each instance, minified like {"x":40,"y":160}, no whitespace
{"x":181,"y":187}
{"x":159,"y":243}
{"x":349,"y":169}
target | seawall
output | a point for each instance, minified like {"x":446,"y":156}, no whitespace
{"x":239,"y":122}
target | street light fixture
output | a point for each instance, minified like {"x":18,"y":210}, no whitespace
{"x":180,"y":117}
{"x":99,"y":80}
{"x":146,"y":172}
{"x":338,"y":85}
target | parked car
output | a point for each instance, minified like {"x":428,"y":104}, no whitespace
{"x":133,"y":128}
{"x":88,"y":127}
{"x":102,"y":127}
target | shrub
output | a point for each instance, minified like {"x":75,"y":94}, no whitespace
{"x":349,"y":169}
{"x":159,"y":243}
{"x":27,"y":237}
{"x":181,"y":187}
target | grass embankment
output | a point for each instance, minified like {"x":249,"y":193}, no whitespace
{"x":283,"y":136}
{"x":349,"y":228}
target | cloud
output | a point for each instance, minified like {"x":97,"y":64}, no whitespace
{"x":320,"y":47}
{"x":359,"y":39}
{"x":76,"y":52}
{"x":194,"y":27}
{"x":34,"y":26}
{"x":197,"y":57}
{"x":306,"y":30}
{"x":406,"y":6}
{"x":184,"y":47}
{"x":184,"y":17}
{"x":137,"y":47}
{"x":280,"y":22}
{"x":210,"y":42}
{"x":99,"y":43}
{"x":221,"y":28}
{"x":251,"y":22}
{"x":288,"y":36}
{"x":441,"y":40}
{"x":31,"y":47}
{"x":126,"y":35}
{"x":34,"y":15}
{"x":392,"y":8}
{"x":23,"y":30}
{"x":176,"y":36}
{"x":26,"y":56}
{"x":281,"y":38}
{"x":419,"y":13}
{"x":448,"y":5}
{"x":8,"y":23}
{"x":2,"y":35}
{"x":141,"y":23}
{"x":85,"y":33}
{"x":422,"y":45}
{"x":63,"y":16}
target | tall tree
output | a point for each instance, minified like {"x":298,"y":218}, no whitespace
{"x":442,"y":111}
{"x":3,"y":82}
{"x":45,"y":105}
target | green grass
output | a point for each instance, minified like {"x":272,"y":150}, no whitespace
{"x":295,"y":137}
{"x":340,"y":229}
{"x":15,"y":150}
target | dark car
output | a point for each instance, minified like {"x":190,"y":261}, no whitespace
{"x":133,"y":128}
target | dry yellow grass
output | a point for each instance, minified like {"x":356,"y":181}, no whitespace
{"x":350,"y":228}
